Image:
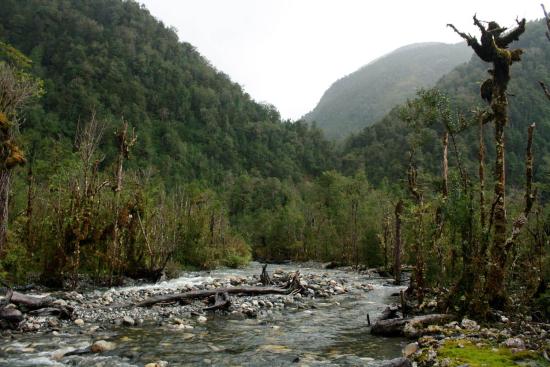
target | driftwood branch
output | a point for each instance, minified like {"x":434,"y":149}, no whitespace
{"x":221,"y":302}
{"x":36,"y":306}
{"x":31,"y":302}
{"x":396,"y":327}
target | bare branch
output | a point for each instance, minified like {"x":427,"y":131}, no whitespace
{"x":545,"y":89}
{"x":511,"y":36}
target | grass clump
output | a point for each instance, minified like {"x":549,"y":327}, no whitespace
{"x":461,"y":352}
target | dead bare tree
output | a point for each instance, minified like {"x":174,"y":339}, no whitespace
{"x":125,"y":140}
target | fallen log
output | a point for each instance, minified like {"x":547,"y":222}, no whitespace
{"x":407,"y":326}
{"x":247,"y":291}
{"x":389,"y":327}
{"x":31,"y":302}
{"x":293,"y":286}
{"x":63,"y":312}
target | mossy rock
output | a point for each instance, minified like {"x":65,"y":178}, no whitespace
{"x":464,"y":352}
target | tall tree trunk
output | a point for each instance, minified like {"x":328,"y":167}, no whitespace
{"x":481,"y":170}
{"x":495,"y":279}
{"x":398,"y":245}
{"x":4,"y":201}
{"x":445,"y":164}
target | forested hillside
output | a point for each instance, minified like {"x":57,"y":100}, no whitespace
{"x":200,"y":175}
{"x":114,"y":58}
{"x":380,"y":149}
{"x":366,"y":95}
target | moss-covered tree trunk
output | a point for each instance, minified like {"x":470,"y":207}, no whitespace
{"x":497,"y":264}
{"x":493,"y":48}
{"x":4,"y":197}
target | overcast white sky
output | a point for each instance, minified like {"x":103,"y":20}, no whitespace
{"x":288,"y":52}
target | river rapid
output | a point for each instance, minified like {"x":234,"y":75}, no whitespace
{"x":331,"y":331}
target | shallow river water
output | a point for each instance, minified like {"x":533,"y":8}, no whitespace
{"x":335,"y":333}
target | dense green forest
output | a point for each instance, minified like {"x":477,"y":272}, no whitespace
{"x":126,"y":153}
{"x":113,"y":58}
{"x":363,"y":97}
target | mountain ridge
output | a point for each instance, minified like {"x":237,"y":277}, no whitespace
{"x":361,"y":98}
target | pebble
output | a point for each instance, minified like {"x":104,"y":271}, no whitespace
{"x":515,"y":343}
{"x":469,"y":324}
{"x":202,"y":319}
{"x":102,"y":346}
{"x":79,"y":322}
{"x":157,"y":364}
{"x":410,"y":349}
{"x":128,"y":321}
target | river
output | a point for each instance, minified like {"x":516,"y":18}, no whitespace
{"x":334,"y":333}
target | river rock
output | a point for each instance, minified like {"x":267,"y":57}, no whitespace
{"x":178,"y":321}
{"x":79,"y":322}
{"x":60,"y":302}
{"x":469,"y":324}
{"x":515,"y":343}
{"x":339,"y":290}
{"x":410,"y":349}
{"x":157,"y":364}
{"x":202,"y":319}
{"x":102,"y":346}
{"x":128,"y":321}
{"x":53,"y":323}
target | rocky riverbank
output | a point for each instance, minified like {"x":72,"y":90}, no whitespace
{"x":466,"y":343}
{"x":116,"y":306}
{"x":324,"y":322}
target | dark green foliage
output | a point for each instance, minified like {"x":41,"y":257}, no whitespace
{"x":332,"y":218}
{"x":114,"y":58}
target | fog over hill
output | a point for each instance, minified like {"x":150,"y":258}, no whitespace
{"x":366,"y":95}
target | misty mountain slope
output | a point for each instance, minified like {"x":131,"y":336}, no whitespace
{"x":365,"y":96}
